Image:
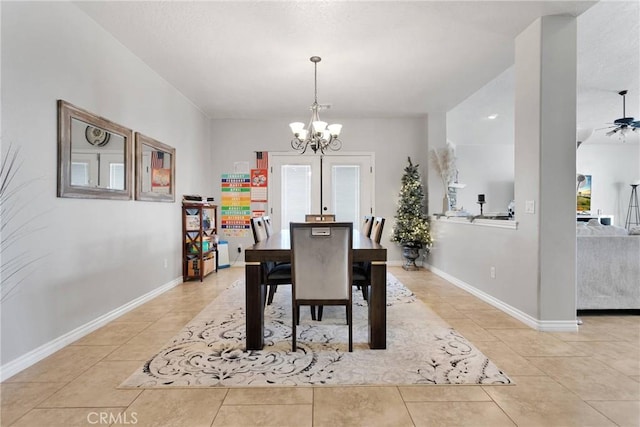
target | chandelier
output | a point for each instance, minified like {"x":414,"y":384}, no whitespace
{"x":318,"y":135}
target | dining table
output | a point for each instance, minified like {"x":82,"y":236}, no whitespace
{"x":277,"y":248}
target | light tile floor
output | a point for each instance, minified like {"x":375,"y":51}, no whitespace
{"x":588,"y":378}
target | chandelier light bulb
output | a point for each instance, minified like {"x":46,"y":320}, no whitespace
{"x":319,"y":127}
{"x":296,"y":127}
{"x":335,"y":130}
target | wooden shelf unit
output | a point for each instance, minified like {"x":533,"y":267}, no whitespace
{"x":199,"y":250}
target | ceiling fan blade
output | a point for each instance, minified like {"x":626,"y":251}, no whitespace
{"x":613,"y":132}
{"x":635,"y":125}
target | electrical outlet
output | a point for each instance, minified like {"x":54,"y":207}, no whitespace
{"x":239,"y":248}
{"x":492,"y":272}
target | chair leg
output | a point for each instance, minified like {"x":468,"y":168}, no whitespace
{"x":263,"y":295}
{"x":272,"y":292}
{"x":294,"y":320}
{"x":313,"y":312}
{"x":350,"y":323}
{"x":365,"y":292}
{"x":320,"y":309}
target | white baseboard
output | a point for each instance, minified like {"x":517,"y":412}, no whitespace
{"x":540,"y":325}
{"x":23,"y":362}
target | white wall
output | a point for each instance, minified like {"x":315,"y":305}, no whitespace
{"x":612,"y":168}
{"x":87,"y":257}
{"x":489,"y":170}
{"x":393,"y":140}
{"x":485,"y":147}
{"x":535,"y":264}
{"x":484,"y":150}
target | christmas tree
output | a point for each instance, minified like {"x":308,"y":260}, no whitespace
{"x":412,"y":227}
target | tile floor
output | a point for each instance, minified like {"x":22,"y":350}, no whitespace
{"x":589,"y":378}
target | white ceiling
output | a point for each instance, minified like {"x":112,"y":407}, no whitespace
{"x":250,"y":59}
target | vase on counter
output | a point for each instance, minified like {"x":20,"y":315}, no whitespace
{"x":445,"y":204}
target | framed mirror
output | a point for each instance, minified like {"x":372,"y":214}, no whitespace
{"x":155,"y":170}
{"x":95,"y":155}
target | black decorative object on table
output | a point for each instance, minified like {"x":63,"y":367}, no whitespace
{"x":481,"y":202}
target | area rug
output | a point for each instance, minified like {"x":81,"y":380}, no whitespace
{"x":421,"y":348}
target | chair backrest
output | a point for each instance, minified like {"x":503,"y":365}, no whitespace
{"x":259,"y":229}
{"x":267,"y":225}
{"x":376,"y":229}
{"x":321,"y":260}
{"x":320,"y":217}
{"x":366,"y":225}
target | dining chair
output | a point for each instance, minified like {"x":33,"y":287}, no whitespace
{"x":268,"y":225}
{"x":259,"y":229}
{"x":319,"y":217}
{"x":321,"y":259}
{"x":366,"y":225}
{"x":274,"y":273}
{"x":362,"y":271}
{"x":376,"y":229}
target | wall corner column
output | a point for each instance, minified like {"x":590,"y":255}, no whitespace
{"x":545,"y":160}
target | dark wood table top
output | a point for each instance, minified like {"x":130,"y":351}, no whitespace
{"x":277,"y":248}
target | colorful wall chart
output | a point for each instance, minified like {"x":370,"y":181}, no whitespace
{"x":235,"y":213}
{"x":258,"y":192}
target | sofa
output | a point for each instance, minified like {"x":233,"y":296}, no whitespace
{"x":608,"y":267}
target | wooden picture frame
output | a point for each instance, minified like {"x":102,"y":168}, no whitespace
{"x":155,"y":170}
{"x":95,"y":156}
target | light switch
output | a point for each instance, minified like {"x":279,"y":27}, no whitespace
{"x":530,"y":206}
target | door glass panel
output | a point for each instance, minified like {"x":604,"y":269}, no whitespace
{"x":79,"y":173}
{"x":345,"y":192}
{"x":295,"y":187}
{"x":295,"y":193}
{"x":116,"y":175}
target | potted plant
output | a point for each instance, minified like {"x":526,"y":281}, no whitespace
{"x":411,"y":229}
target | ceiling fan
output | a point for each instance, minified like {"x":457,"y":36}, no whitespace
{"x":624,"y":124}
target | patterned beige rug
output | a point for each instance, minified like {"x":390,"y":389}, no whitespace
{"x":421,"y":348}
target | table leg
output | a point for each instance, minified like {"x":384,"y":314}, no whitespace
{"x":378,"y":306}
{"x":254,"y":297}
